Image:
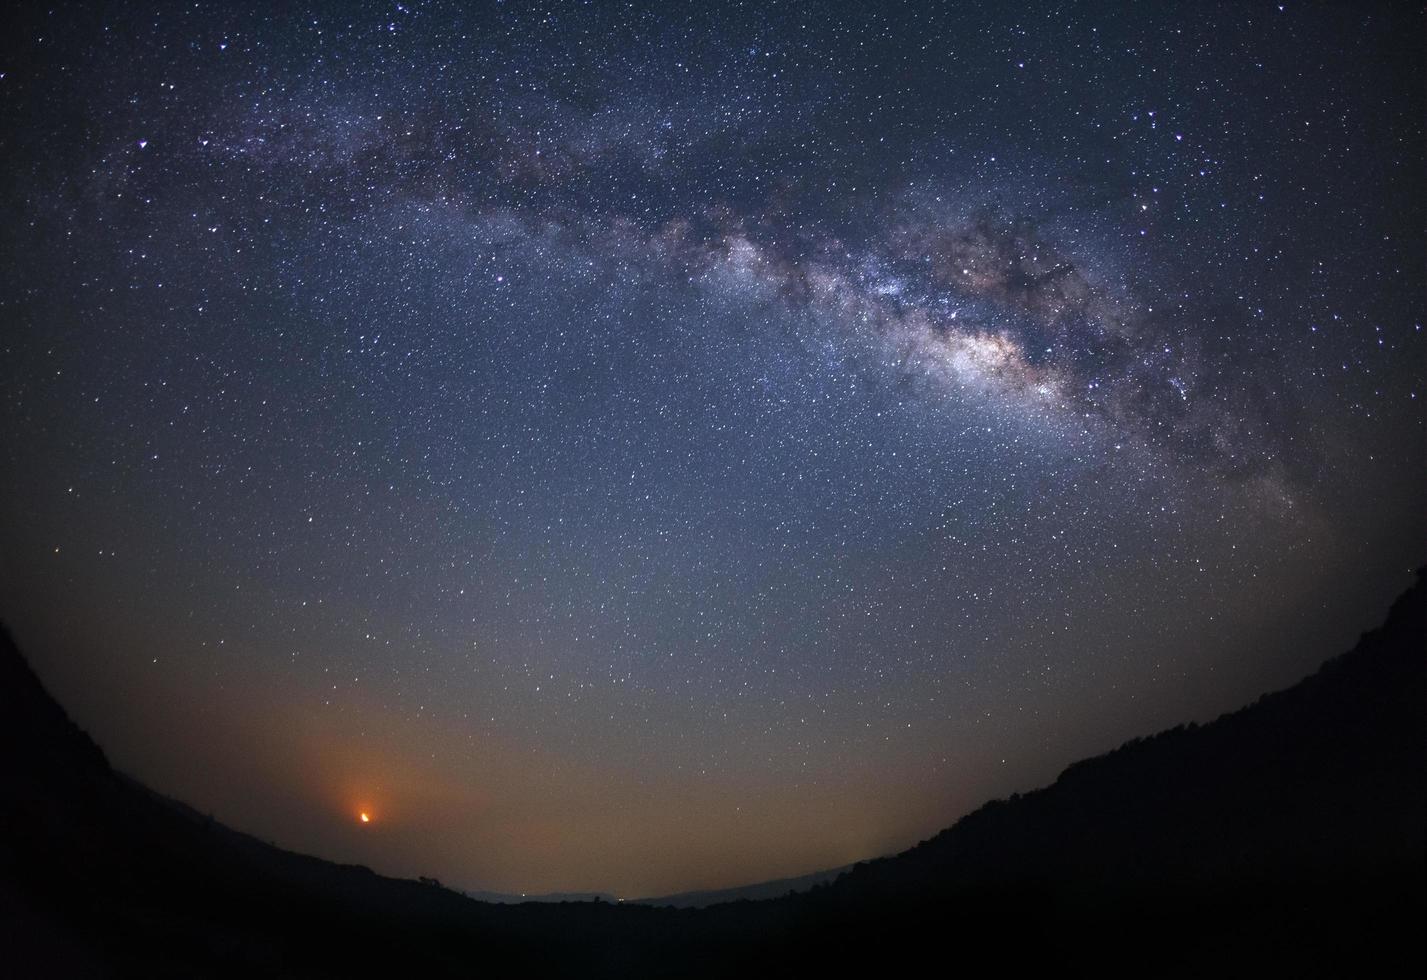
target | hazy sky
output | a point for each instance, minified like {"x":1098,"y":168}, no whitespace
{"x":637,"y":448}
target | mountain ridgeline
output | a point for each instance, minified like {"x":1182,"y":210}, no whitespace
{"x":776,"y":888}
{"x":1287,"y":836}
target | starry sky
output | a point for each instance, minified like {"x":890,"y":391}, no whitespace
{"x":637,"y":448}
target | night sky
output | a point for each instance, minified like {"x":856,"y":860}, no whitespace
{"x":638,"y":448}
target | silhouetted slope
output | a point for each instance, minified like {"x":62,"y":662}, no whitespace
{"x":758,"y":891}
{"x":1287,"y":836}
{"x":99,"y":871}
{"x":1325,"y":775}
{"x":1293,"y":826}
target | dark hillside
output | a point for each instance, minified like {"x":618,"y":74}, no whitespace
{"x":1287,"y":836}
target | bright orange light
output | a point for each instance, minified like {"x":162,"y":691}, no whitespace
{"x":365,"y":817}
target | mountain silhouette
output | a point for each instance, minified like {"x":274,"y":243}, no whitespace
{"x":776,"y":888}
{"x":1286,"y":837}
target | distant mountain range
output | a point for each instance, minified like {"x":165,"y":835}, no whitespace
{"x":1286,"y":838}
{"x":544,"y":898}
{"x":756,"y":892}
{"x":776,"y":888}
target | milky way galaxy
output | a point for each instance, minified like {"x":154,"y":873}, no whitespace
{"x":635,"y":448}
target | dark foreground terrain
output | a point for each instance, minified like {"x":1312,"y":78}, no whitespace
{"x":1284,"y":839}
